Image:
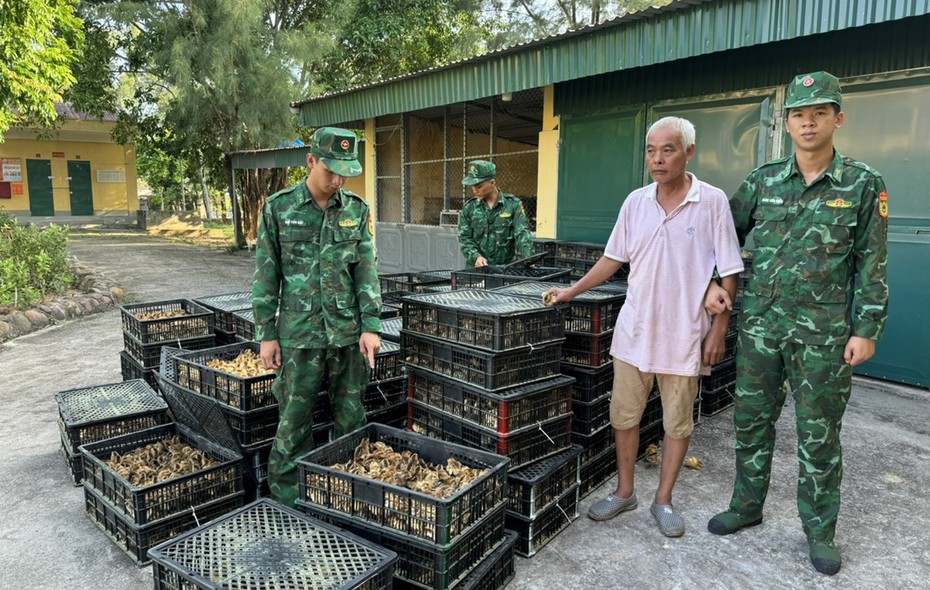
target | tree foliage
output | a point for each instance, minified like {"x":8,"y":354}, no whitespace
{"x":40,"y":40}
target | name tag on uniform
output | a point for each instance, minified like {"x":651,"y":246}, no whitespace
{"x":348,"y":223}
{"x":772,"y":201}
{"x":506,"y":215}
{"x":298,"y":222}
{"x":839,"y":204}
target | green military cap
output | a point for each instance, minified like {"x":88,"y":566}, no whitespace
{"x":338,"y":149}
{"x":815,"y":88}
{"x":479,"y":171}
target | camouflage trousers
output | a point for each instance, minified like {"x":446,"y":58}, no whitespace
{"x":820,"y":382}
{"x":299,"y":382}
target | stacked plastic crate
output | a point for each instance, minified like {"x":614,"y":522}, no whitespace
{"x":147,"y":327}
{"x":441,"y":540}
{"x":395,"y":286}
{"x":717,"y":389}
{"x":184,"y":473}
{"x":223,"y":306}
{"x":265,"y":545}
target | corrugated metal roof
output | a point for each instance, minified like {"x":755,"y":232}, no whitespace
{"x":680,"y":30}
{"x":67,"y":111}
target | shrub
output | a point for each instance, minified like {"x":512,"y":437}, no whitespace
{"x":33,"y":262}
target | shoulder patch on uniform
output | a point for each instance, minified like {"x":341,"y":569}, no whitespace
{"x":883,"y":204}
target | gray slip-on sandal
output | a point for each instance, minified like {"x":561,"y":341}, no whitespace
{"x":671,"y":524}
{"x":611,"y":506}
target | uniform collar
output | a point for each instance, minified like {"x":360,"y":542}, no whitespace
{"x":338,"y":198}
{"x":834,"y":170}
{"x":694,"y":193}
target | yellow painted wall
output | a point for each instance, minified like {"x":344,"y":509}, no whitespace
{"x":548,"y":170}
{"x":79,"y":141}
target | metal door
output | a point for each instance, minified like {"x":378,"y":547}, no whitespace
{"x":600,"y":162}
{"x":41,"y":198}
{"x":80,"y":188}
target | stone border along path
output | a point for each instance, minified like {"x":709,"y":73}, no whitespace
{"x":97,"y":294}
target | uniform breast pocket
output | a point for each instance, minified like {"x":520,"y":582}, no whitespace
{"x":345,"y":244}
{"x":297,"y":246}
{"x":832,"y":228}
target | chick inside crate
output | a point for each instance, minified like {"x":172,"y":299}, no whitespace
{"x":483,"y":319}
{"x":403,"y":481}
{"x":164,"y":321}
{"x":268,"y":546}
{"x":232,"y":374}
{"x":159,"y":472}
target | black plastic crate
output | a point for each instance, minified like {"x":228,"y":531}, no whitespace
{"x":650,"y":434}
{"x":420,"y":563}
{"x":222,"y":307}
{"x":244,"y":324}
{"x":197,"y":321}
{"x":523,"y":446}
{"x":250,"y":428}
{"x":489,"y":277}
{"x":653,"y":411}
{"x":594,"y":444}
{"x":395,"y":416}
{"x":590,"y":384}
{"x":413,"y":282}
{"x":504,"y":412}
{"x":384,"y":394}
{"x":592,"y":312}
{"x":234,"y":391}
{"x":721,"y":374}
{"x":266,"y":545}
{"x":587,"y":350}
{"x":488,"y":320}
{"x":533,"y":534}
{"x":588,"y":251}
{"x":496,"y":570}
{"x":389,"y":364}
{"x":717,"y":400}
{"x":490,"y":370}
{"x":730,"y":344}
{"x":99,"y":412}
{"x":149,"y":355}
{"x":535,"y":487}
{"x":589,"y":418}
{"x":143,"y":505}
{"x":390,"y":329}
{"x":391,"y":507}
{"x":73,"y":460}
{"x":131,"y":369}
{"x":389,"y":311}
{"x":597,"y":471}
{"x":255,"y":462}
{"x":136,"y":540}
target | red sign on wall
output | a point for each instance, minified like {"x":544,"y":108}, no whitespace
{"x":58,"y":154}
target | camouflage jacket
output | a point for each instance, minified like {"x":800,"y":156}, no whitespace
{"x":819,"y":274}
{"x":494,"y":233}
{"x":316,"y":270}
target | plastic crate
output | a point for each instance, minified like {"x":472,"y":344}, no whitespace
{"x":420,"y":563}
{"x":250,"y":428}
{"x":717,"y":400}
{"x":533,"y":534}
{"x":389,"y":364}
{"x":594,"y":444}
{"x":496,"y":570}
{"x":222,"y":307}
{"x":391,"y":507}
{"x":136,"y":540}
{"x":99,"y":412}
{"x":390,"y":329}
{"x":597,"y":471}
{"x":650,"y":434}
{"x":244,"y":324}
{"x":589,"y":418}
{"x":587,"y":350}
{"x":394,"y":416}
{"x":73,"y":460}
{"x":592,"y":312}
{"x":523,"y":446}
{"x":234,"y":391}
{"x":488,"y":320}
{"x":413,"y":282}
{"x":590,"y":384}
{"x":131,"y":369}
{"x":384,"y":394}
{"x":579,"y":251}
{"x":721,"y":374}
{"x":535,"y":487}
{"x":266,"y":545}
{"x":504,"y":412}
{"x":143,"y":505}
{"x":653,"y":411}
{"x":489,"y":277}
{"x":492,"y":371}
{"x":149,"y":355}
{"x":255,"y":462}
{"x":389,"y":311}
{"x":197,"y":322}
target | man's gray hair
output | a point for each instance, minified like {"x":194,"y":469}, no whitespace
{"x":684,"y":128}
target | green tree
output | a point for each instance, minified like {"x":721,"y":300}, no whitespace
{"x":40,"y":40}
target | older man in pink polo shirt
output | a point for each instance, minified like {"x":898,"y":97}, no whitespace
{"x":673,"y":233}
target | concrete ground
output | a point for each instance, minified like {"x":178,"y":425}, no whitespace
{"x":48,"y":542}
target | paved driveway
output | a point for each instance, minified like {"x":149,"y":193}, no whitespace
{"x":46,"y":541}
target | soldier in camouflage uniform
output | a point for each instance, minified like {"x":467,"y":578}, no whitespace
{"x":317,"y":301}
{"x":815,"y":305}
{"x":493,"y":224}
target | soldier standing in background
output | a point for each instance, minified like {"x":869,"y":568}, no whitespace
{"x":317,"y":301}
{"x":821,"y":225}
{"x":493,"y":224}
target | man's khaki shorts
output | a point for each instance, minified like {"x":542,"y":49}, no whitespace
{"x":632,"y":388}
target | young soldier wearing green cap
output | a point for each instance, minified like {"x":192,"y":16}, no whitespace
{"x":492,"y":225}
{"x":816,"y":303}
{"x":317,"y":301}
